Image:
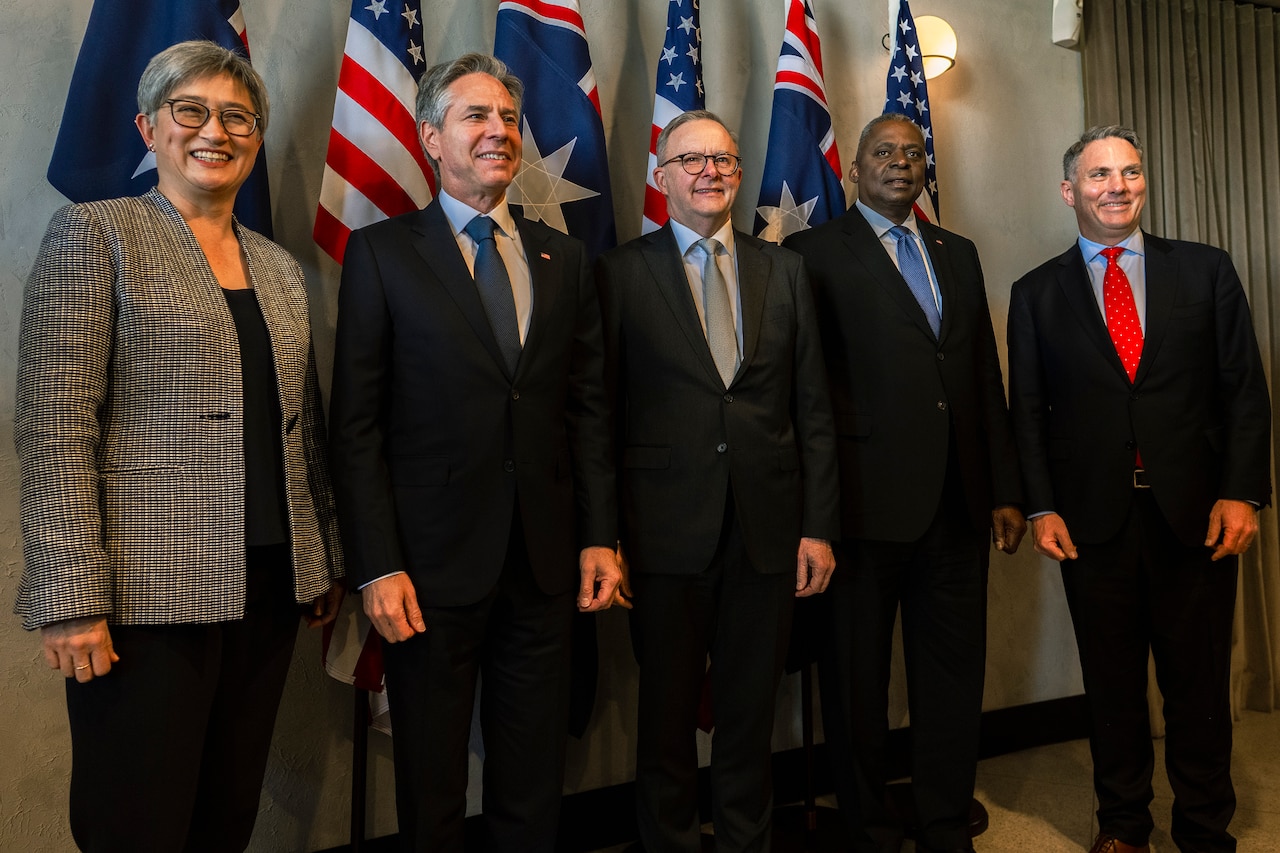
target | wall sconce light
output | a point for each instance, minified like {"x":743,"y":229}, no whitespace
{"x":937,"y":44}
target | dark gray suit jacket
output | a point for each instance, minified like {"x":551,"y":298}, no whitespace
{"x":685,"y":440}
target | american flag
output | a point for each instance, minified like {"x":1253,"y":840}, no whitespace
{"x":801,"y":185}
{"x":375,"y":167}
{"x":564,"y":176}
{"x":906,"y":93}
{"x":99,"y":153}
{"x":679,"y":89}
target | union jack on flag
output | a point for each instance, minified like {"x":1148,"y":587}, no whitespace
{"x":99,"y":153}
{"x":800,"y":186}
{"x":564,"y":173}
{"x":375,"y":167}
{"x":906,"y":93}
{"x":678,"y":89}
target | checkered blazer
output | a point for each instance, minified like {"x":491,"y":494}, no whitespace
{"x":128,"y":422}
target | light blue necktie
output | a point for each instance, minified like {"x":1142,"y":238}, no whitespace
{"x":495,"y":290}
{"x":912,"y":267}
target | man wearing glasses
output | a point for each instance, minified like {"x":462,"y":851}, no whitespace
{"x":728,"y":493}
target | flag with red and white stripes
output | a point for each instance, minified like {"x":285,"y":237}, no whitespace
{"x":907,"y":93}
{"x":678,"y":89}
{"x":375,"y":167}
{"x":800,"y":183}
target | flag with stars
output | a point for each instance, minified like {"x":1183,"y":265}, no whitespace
{"x":906,"y":93}
{"x":800,"y":186}
{"x":564,"y":177}
{"x":375,"y":167}
{"x":679,"y":89}
{"x":99,"y":152}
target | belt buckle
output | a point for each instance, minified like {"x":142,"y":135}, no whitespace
{"x":1140,"y":479}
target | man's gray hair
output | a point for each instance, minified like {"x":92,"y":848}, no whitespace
{"x":434,"y":98}
{"x":876,"y":122}
{"x":683,"y":119}
{"x":195,"y":60}
{"x":1107,"y":131}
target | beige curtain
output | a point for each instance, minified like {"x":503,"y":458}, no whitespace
{"x":1199,"y":81}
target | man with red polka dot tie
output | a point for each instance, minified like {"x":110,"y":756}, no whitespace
{"x":1143,"y":425}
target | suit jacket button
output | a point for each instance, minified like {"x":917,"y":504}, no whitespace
{"x":941,"y":356}
{"x":508,"y":466}
{"x":515,"y":395}
{"x":942,"y":405}
{"x":728,"y":398}
{"x":722,"y":447}
{"x":1131,"y":445}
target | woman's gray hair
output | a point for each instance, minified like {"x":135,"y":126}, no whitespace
{"x":195,"y":60}
{"x":1093,"y":134}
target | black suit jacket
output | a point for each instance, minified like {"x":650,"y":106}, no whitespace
{"x":898,"y":392}
{"x":434,"y":444}
{"x":1198,"y":409}
{"x":685,"y":439}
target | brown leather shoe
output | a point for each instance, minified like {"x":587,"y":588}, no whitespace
{"x":1105,"y":843}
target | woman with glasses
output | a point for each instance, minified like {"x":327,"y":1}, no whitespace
{"x":177,"y":514}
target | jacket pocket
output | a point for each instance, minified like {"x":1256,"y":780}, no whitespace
{"x":646,"y":457}
{"x":419,"y":470}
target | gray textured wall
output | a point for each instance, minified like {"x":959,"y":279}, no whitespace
{"x":1002,"y":117}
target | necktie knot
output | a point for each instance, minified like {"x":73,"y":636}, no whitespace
{"x":480,"y":229}
{"x":710,"y":245}
{"x":1112,"y":253}
{"x":901,"y":232}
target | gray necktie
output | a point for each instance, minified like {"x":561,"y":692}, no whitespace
{"x":912,"y":267}
{"x":495,"y":289}
{"x":722,"y":337}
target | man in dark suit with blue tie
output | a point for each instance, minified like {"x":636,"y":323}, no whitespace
{"x":928,"y":473}
{"x":473,"y":469}
{"x":727,"y":484}
{"x":1143,"y":423}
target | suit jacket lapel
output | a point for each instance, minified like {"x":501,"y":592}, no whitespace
{"x":1162,"y":293}
{"x":868,"y":251}
{"x":753,"y":281}
{"x":940,"y":258}
{"x":546,"y":278}
{"x":1073,"y":279}
{"x":662,"y":255}
{"x":439,"y":250}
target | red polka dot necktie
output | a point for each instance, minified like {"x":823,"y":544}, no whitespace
{"x":1122,"y":313}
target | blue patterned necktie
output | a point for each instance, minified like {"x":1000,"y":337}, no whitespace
{"x":495,"y":289}
{"x":912,"y":267}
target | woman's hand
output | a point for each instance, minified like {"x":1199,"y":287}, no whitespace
{"x":325,"y":608}
{"x":81,"y":648}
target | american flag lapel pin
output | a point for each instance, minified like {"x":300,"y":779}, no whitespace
{"x":544,"y":256}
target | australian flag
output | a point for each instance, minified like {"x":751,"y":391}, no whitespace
{"x":906,"y":93}
{"x":99,"y":153}
{"x":564,"y":177}
{"x":801,"y":185}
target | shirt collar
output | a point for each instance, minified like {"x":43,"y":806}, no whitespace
{"x":1091,"y":250}
{"x":460,"y":213}
{"x":881,"y":224}
{"x":686,"y":237}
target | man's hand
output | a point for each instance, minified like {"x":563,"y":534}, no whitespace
{"x":601,"y":579}
{"x":81,"y":648}
{"x":1052,"y":538}
{"x":325,"y":608}
{"x":814,"y":564}
{"x":391,"y":603}
{"x":1232,"y":526}
{"x":1007,"y":528}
